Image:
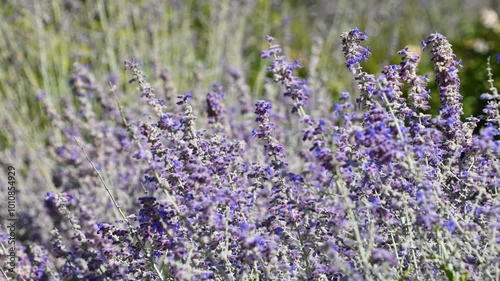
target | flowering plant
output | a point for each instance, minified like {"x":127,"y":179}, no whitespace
{"x":376,"y":189}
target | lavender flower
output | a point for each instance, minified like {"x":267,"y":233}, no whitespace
{"x":282,"y":72}
{"x":377,"y":190}
{"x":354,"y":54}
{"x":215,"y":107}
{"x":446,"y":69}
{"x":266,"y":127}
{"x":353,"y":51}
{"x":419,"y":95}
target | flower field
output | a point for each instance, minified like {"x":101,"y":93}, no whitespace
{"x":249,"y":140}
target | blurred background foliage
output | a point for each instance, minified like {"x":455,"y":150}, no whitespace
{"x":197,"y":42}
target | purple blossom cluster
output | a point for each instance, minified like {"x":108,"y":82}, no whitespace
{"x":282,"y":72}
{"x":378,"y":189}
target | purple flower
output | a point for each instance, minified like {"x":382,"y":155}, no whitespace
{"x":367,"y":193}
{"x":147,"y":91}
{"x":419,"y":95}
{"x":215,"y":108}
{"x":183,"y":98}
{"x":382,"y":255}
{"x":450,"y":225}
{"x":282,"y":71}
{"x":353,"y":51}
{"x":449,"y":85}
{"x":274,"y":148}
